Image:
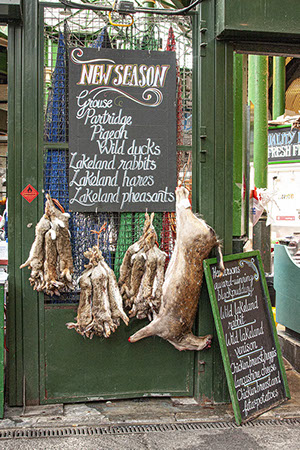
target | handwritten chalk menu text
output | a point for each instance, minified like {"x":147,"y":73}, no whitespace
{"x":241,"y":307}
{"x":122,"y":130}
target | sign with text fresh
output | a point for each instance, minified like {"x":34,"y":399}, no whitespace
{"x":122,"y":130}
{"x":247,"y":334}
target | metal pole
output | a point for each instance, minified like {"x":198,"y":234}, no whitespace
{"x":251,"y":78}
{"x":1,"y":351}
{"x":278,"y":86}
{"x":258,"y":94}
{"x":238,"y":142}
{"x":239,"y":149}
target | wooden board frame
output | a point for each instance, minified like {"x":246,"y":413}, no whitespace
{"x":221,"y":337}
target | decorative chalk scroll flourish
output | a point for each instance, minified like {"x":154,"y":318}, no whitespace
{"x":148,"y":95}
{"x":77,"y":52}
{"x":252,"y":265}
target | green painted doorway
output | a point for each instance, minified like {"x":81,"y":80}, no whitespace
{"x":73,"y":368}
{"x":77,"y":369}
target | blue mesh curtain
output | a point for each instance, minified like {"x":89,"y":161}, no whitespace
{"x":102,"y":40}
{"x":55,"y":122}
{"x":82,"y":237}
{"x":55,"y":174}
{"x":55,"y":131}
{"x":56,"y":162}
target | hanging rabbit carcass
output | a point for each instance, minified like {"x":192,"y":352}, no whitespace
{"x":50,"y":258}
{"x":100,"y":305}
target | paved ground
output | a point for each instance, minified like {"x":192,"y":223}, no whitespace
{"x":248,"y":438}
{"x":283,"y":433}
{"x":145,"y":410}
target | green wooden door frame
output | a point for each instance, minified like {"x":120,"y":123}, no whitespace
{"x":212,"y":172}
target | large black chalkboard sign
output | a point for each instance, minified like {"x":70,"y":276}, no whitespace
{"x":122,"y":130}
{"x":247,"y":334}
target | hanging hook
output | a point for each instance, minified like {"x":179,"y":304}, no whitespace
{"x":56,"y":203}
{"x":185,"y":168}
{"x":103,"y":228}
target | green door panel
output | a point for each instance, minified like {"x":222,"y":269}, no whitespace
{"x":78,"y":369}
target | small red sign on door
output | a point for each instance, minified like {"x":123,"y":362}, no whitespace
{"x":29,"y":193}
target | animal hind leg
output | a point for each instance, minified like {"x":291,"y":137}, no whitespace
{"x":192,"y":342}
{"x":147,"y":331}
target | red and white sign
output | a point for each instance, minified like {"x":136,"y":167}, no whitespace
{"x":290,"y":218}
{"x":29,"y":193}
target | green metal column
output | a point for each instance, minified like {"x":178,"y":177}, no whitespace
{"x":14,"y":305}
{"x":258,"y":94}
{"x":278,"y":86}
{"x":1,"y":350}
{"x":25,"y":159}
{"x":212,"y":173}
{"x":240,"y":150}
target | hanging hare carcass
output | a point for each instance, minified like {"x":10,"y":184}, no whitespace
{"x":183,"y":280}
{"x":100,"y":305}
{"x":142,"y":274}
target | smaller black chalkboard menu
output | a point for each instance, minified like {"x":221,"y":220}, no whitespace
{"x":247,"y":335}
